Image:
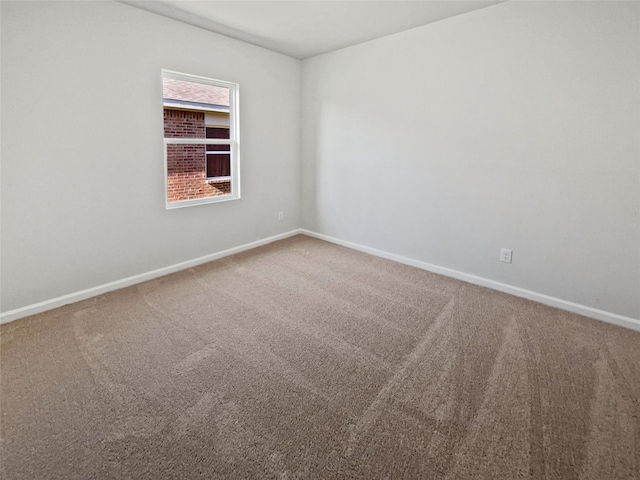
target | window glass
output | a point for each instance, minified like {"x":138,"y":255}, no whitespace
{"x":201,"y":139}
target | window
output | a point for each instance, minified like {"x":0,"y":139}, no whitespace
{"x":200,"y":139}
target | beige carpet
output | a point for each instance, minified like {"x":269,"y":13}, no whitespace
{"x":305,"y":360}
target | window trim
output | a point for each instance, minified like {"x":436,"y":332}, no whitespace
{"x":233,"y":141}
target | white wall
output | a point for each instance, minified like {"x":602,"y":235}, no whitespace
{"x":82,"y":161}
{"x":512,"y":126}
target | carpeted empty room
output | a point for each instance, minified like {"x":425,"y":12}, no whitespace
{"x":320,"y":240}
{"x":304,"y":359}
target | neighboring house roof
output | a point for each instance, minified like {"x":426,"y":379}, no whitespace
{"x":179,"y":93}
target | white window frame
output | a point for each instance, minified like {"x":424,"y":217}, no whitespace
{"x":233,"y":141}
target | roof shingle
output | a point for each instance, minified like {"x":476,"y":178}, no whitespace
{"x":194,"y":92}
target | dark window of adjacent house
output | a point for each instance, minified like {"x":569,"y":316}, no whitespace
{"x":218,"y":156}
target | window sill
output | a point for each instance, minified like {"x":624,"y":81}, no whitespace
{"x":201,"y":201}
{"x":218,"y":180}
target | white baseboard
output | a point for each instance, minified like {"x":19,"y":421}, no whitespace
{"x":622,"y":321}
{"x":602,"y":315}
{"x":12,"y":315}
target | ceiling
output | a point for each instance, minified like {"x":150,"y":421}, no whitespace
{"x":305,"y":28}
